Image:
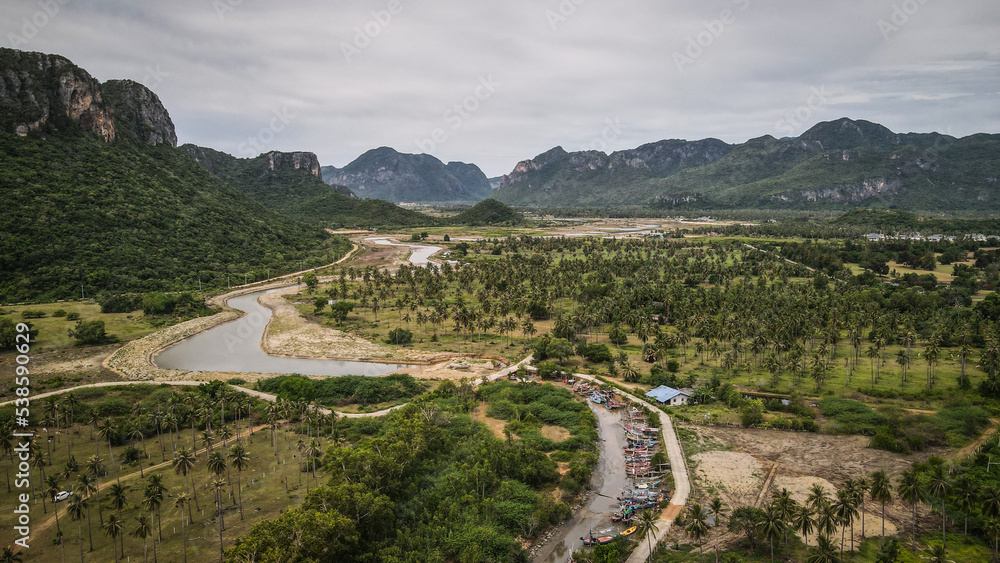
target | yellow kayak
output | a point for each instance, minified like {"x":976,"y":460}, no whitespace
{"x":629,"y":531}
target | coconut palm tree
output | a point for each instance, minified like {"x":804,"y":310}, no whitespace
{"x":108,"y":432}
{"x":113,"y":529}
{"x":239,"y":459}
{"x":802,"y":522}
{"x":911,"y":491}
{"x":966,"y":497}
{"x":785,"y":505}
{"x":86,"y":486}
{"x":846,"y":512}
{"x":119,"y":500}
{"x":992,"y":530}
{"x":939,"y":485}
{"x":824,"y":552}
{"x":697,"y":527}
{"x":52,"y":488}
{"x":817,"y":497}
{"x":8,"y":556}
{"x":184,"y":462}
{"x":152,"y":499}
{"x":772,"y":525}
{"x":647,"y":528}
{"x":137,"y":434}
{"x":96,"y":467}
{"x":183,"y":500}
{"x":881,"y":492}
{"x":143,"y":530}
{"x":219,"y":485}
{"x":78,"y":505}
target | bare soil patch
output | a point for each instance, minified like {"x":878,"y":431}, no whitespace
{"x":555,"y":433}
{"x":803,"y":459}
{"x":497,"y":426}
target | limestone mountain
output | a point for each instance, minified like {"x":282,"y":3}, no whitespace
{"x":384,"y":173}
{"x":47,"y":93}
{"x":139,"y":114}
{"x":835,"y":165}
{"x":96,"y":198}
{"x":290,"y":184}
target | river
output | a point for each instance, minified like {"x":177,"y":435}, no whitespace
{"x":609,"y":482}
{"x":235,"y":347}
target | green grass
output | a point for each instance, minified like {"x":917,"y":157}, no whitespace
{"x":53,"y":331}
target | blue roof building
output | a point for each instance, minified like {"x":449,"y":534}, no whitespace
{"x":668,"y":396}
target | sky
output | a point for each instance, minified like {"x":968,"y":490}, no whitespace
{"x":494,"y":83}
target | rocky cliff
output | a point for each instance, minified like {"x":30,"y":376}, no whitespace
{"x":45,"y":93}
{"x":295,"y":160}
{"x":139,"y":114}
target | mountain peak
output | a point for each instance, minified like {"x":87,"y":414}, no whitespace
{"x":385,"y":173}
{"x":846,"y":133}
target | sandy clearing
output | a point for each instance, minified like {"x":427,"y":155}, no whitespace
{"x":554,"y":433}
{"x":737,"y":475}
{"x":496,"y":425}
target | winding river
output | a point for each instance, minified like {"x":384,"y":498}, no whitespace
{"x":235,"y":347}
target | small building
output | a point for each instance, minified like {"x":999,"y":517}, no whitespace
{"x":669,"y":396}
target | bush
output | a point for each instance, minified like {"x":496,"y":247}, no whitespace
{"x":120,"y":303}
{"x":91,"y":333}
{"x":59,"y":313}
{"x":32,"y":314}
{"x":752,"y":413}
{"x":399,"y":336}
{"x":73,"y":316}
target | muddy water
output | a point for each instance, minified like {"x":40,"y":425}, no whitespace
{"x":609,"y":482}
{"x":420,"y":255}
{"x":235,"y":347}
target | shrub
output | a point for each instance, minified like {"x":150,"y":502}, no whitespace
{"x":73,"y":316}
{"x":59,"y":313}
{"x":91,"y":333}
{"x":399,"y":336}
{"x":32,"y":314}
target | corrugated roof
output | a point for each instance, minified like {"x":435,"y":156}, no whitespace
{"x":663,"y":393}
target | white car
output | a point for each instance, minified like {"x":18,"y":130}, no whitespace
{"x":62,"y":496}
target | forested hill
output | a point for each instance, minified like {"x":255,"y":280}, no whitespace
{"x":291,"y":184}
{"x":840,"y":164}
{"x":96,"y":198}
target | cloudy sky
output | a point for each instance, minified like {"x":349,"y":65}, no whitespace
{"x":498,"y":82}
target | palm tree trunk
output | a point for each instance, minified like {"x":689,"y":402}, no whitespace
{"x":90,"y":533}
{"x":184,"y":534}
{"x":239,"y":487}
{"x":79,"y":531}
{"x":944,"y":521}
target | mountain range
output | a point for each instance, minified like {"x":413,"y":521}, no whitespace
{"x":386,"y":174}
{"x":835,"y":165}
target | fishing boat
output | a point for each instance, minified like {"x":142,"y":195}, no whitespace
{"x":630,"y":531}
{"x":591,"y":541}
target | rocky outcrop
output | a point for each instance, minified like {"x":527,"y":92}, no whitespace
{"x":139,"y":114}
{"x":275,"y":161}
{"x":40,"y":92}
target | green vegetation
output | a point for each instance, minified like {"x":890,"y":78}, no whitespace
{"x":488,"y":212}
{"x":298,"y":194}
{"x":86,"y":216}
{"x":425,"y":483}
{"x":343,"y":391}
